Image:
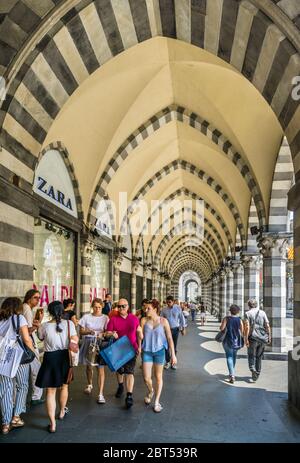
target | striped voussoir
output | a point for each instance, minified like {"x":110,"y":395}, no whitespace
{"x":252,"y":221}
{"x":177,"y":250}
{"x":194,"y":228}
{"x":196,"y":216}
{"x":192,"y":257}
{"x":283,"y":180}
{"x":188,"y":167}
{"x":92,"y":32}
{"x":163,"y":117}
{"x":59,"y":146}
{"x":184,"y":191}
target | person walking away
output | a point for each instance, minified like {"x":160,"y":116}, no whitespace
{"x":193,"y":311}
{"x":69,"y":311}
{"x":234,"y":338}
{"x":257,"y":336}
{"x":53,"y":374}
{"x":31,"y":301}
{"x":107,"y":304}
{"x":11,"y":412}
{"x":177,"y":322}
{"x":157,"y":339}
{"x":126,"y":324}
{"x":93,"y":326}
{"x":202,"y":315}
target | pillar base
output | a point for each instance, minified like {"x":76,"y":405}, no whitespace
{"x":294,"y":381}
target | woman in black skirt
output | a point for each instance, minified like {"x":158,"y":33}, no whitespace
{"x":53,"y":373}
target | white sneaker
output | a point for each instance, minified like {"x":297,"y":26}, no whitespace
{"x":88,"y":389}
{"x":101,"y":399}
{"x":167,"y":366}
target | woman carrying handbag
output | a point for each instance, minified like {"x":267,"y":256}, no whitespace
{"x":233,"y":328}
{"x":55,"y":373}
{"x":11,"y":311}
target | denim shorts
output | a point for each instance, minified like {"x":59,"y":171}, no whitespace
{"x":155,"y":357}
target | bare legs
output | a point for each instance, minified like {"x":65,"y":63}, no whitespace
{"x":51,"y":403}
{"x":158,"y":375}
{"x":101,"y":377}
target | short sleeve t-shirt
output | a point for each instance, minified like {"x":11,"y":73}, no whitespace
{"x":6,"y":325}
{"x":125,"y":327}
{"x":261,"y":319}
{"x":53,"y":340}
{"x":95,"y":323}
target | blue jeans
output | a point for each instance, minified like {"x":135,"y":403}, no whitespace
{"x":230,"y":357}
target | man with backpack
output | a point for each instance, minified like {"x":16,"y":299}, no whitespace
{"x":257,"y":335}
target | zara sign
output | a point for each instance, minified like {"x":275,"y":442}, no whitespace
{"x":52,"y":182}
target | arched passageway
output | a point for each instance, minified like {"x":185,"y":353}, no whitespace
{"x":183,"y":118}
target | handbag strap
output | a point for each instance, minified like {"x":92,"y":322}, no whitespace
{"x":16,"y":328}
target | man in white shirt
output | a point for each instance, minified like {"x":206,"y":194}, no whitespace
{"x":31,"y":301}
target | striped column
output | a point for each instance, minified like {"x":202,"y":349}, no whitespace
{"x":145,"y":276}
{"x":251,"y":264}
{"x":116,"y":276}
{"x":154,"y":283}
{"x":238,"y":284}
{"x":274,"y":250}
{"x":229,"y":286}
{"x":293,"y":360}
{"x":168,"y":286}
{"x":134,"y":269}
{"x":216,"y":296}
{"x":209,"y":299}
{"x":223,"y":294}
{"x":87,"y":249}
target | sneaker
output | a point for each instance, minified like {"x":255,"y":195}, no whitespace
{"x":167,"y":366}
{"x":129,"y":401}
{"x":174,"y":367}
{"x":231,"y":379}
{"x":101,"y":399}
{"x":37,"y":402}
{"x":157,"y":408}
{"x":88,"y":389}
{"x":120,"y":391}
{"x":254,"y":376}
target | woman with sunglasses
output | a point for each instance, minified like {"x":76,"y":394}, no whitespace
{"x":157,"y":338}
{"x":30,"y":303}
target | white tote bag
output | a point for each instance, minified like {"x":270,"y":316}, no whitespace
{"x":10,"y":356}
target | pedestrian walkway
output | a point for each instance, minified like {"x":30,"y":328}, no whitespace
{"x":199,"y":405}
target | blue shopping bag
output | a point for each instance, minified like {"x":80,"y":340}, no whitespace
{"x":118,"y":353}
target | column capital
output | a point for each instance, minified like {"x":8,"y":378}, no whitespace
{"x":250,"y":260}
{"x":236,"y":264}
{"x":117,"y":261}
{"x":134,"y":266}
{"x":87,"y":248}
{"x":274,"y":244}
{"x":228,"y":270}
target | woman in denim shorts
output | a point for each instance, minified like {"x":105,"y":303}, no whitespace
{"x":157,"y":338}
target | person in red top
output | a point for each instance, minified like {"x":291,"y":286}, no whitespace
{"x":126,"y":324}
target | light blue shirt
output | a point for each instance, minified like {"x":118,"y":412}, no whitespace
{"x":174,"y":316}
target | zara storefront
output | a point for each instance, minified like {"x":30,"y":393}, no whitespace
{"x":60,"y":237}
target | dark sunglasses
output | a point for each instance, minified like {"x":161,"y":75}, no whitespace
{"x":122,"y":306}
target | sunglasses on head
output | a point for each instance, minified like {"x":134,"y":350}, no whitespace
{"x":122,"y":306}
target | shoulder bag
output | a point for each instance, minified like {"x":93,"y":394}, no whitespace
{"x":221,"y":335}
{"x":70,"y":376}
{"x":28,"y":354}
{"x":258,"y":332}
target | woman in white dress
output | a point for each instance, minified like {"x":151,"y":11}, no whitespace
{"x":93,"y":325}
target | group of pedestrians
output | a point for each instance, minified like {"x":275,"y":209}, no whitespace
{"x":153,"y":333}
{"x":254,"y":332}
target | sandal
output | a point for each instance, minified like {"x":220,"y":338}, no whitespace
{"x":6,"y":428}
{"x":157,"y":408}
{"x":149,"y":397}
{"x":66,"y":411}
{"x":17,"y":422}
{"x":49,"y":428}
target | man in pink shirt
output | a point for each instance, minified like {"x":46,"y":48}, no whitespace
{"x":126,"y":324}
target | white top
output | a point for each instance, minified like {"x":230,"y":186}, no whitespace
{"x":6,"y":325}
{"x":94,"y":322}
{"x":53,"y":340}
{"x":28,"y":314}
